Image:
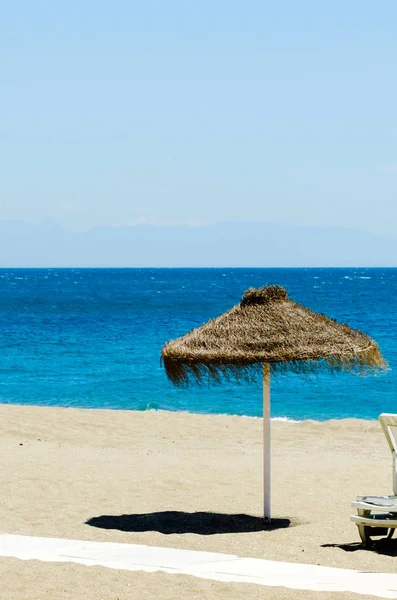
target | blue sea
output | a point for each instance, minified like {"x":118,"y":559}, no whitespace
{"x":92,"y":338}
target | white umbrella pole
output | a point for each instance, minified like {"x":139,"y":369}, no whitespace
{"x":266,"y":440}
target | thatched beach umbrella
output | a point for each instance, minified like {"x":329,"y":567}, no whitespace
{"x":267,"y":331}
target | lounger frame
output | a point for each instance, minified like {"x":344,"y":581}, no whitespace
{"x":377,"y":515}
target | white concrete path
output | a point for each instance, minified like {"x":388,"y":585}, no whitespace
{"x":207,"y":565}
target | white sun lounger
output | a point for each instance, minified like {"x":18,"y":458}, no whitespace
{"x":377,"y":515}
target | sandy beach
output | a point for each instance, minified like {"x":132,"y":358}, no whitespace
{"x":139,"y":477}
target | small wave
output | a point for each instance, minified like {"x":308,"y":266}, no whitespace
{"x":364,"y":277}
{"x":279,"y":419}
{"x":285,"y":420}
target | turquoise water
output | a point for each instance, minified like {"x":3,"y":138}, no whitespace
{"x":92,"y":338}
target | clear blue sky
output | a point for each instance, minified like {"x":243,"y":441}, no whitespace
{"x":196,"y":112}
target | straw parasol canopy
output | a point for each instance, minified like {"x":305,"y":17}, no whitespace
{"x":267,"y":327}
{"x":268,"y":331}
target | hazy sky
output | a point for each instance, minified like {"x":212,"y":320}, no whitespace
{"x":119,"y":112}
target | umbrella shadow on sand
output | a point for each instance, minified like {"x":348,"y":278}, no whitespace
{"x":201,"y":523}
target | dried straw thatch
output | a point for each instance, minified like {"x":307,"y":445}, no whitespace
{"x":267,"y":327}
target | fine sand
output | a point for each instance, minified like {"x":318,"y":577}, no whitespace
{"x":88,"y":474}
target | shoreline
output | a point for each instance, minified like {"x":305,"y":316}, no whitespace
{"x":282,"y":419}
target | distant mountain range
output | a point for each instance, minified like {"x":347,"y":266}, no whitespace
{"x":219,"y":245}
